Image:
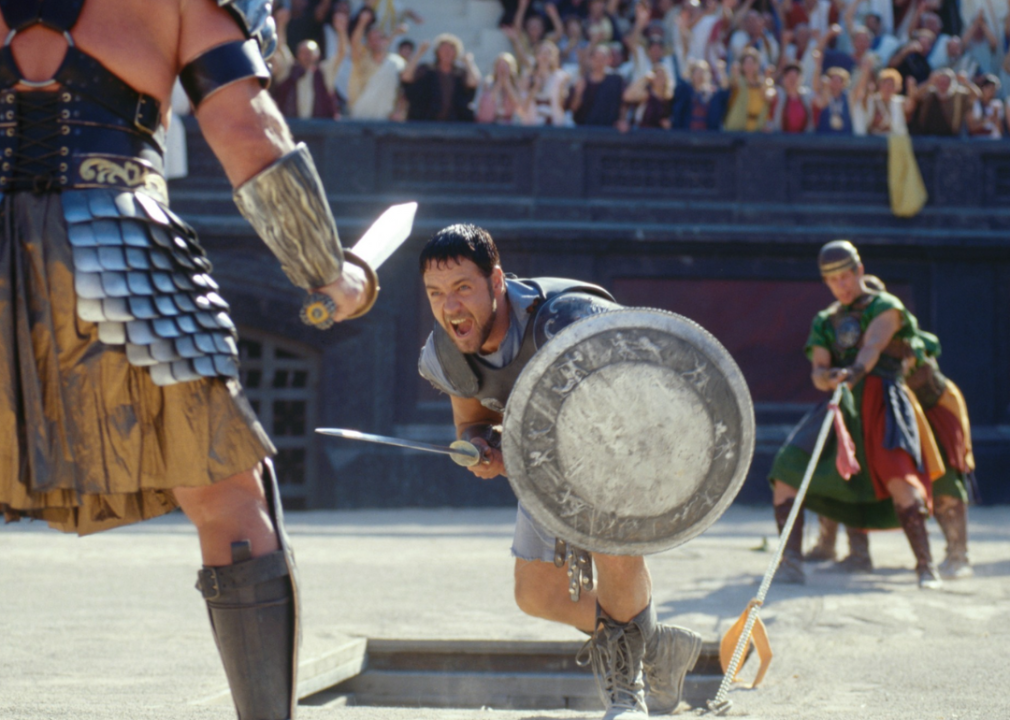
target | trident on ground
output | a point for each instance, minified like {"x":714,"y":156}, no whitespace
{"x":749,"y":626}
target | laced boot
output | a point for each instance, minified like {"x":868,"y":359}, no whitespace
{"x":616,"y":652}
{"x":913,"y":522}
{"x":252,"y":614}
{"x":826,"y":537}
{"x":670,"y":653}
{"x":858,"y":560}
{"x":791,"y":567}
{"x":952,"y":514}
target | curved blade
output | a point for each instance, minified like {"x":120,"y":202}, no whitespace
{"x":462,"y":450}
{"x":386,"y":234}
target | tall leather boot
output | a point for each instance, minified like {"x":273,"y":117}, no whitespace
{"x":913,"y":522}
{"x":827,"y":535}
{"x":791,"y":567}
{"x":952,"y":514}
{"x":616,"y":652}
{"x":858,"y":560}
{"x":252,"y":614}
{"x":670,"y":653}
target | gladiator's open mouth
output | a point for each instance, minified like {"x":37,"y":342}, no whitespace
{"x":462,"y":327}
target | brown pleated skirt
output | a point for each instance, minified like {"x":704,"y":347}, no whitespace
{"x":87,"y":441}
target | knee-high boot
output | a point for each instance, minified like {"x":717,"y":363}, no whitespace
{"x":952,"y":514}
{"x":252,"y":614}
{"x":858,"y":560}
{"x":791,"y":567}
{"x":913,"y":522}
{"x":826,"y":537}
{"x":253,"y":608}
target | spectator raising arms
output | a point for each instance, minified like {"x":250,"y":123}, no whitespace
{"x":597,"y":98}
{"x":753,"y":35}
{"x":700,"y":105}
{"x":528,"y":30}
{"x":882,"y":112}
{"x":941,"y":105}
{"x":646,"y":47}
{"x":652,"y":97}
{"x":749,"y":99}
{"x":573,"y":45}
{"x":987,"y":118}
{"x":546,"y":89}
{"x":499,"y":94}
{"x":302,"y":88}
{"x":911,"y":60}
{"x":793,"y":107}
{"x":444,"y":89}
{"x":375,"y":72}
{"x":391,"y":14}
{"x":831,"y":102}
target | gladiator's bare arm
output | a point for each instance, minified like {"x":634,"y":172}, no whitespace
{"x":472,"y":420}
{"x":879,"y":333}
{"x":247,"y":133}
{"x":240,"y":122}
{"x":877,"y":336}
{"x":821,"y":371}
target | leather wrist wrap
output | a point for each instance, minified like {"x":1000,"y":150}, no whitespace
{"x":286,"y":205}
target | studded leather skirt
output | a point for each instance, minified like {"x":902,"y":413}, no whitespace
{"x":89,"y":440}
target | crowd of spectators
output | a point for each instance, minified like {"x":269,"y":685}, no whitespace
{"x":842,"y":67}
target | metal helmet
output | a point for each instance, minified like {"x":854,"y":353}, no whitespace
{"x":838,"y":255}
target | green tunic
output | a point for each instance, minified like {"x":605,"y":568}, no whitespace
{"x":853,"y":502}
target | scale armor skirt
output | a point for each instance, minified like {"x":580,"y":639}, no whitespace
{"x":119,"y":362}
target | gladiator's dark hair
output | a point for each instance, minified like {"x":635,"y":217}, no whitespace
{"x":461,"y":242}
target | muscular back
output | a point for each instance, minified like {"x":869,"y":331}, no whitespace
{"x":145,"y":43}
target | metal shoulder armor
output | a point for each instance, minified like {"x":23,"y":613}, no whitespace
{"x":562,"y":310}
{"x":256,"y":20}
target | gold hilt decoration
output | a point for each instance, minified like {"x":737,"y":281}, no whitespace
{"x":318,"y":308}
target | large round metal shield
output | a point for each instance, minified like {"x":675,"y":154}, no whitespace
{"x":629,"y":433}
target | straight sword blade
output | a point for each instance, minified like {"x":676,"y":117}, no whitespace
{"x":461,"y":452}
{"x":386,"y":234}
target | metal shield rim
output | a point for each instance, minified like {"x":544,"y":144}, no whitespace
{"x":677,"y":325}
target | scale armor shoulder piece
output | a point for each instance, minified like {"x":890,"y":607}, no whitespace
{"x":255,"y":17}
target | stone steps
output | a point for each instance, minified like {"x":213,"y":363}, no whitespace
{"x":493,"y":674}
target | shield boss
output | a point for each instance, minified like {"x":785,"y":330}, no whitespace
{"x":629,"y":432}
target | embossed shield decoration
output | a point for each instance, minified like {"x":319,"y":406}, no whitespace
{"x":629,"y":432}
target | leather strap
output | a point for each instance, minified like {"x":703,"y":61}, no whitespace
{"x":221,"y":66}
{"x":215,"y":581}
{"x":59,"y":15}
{"x":84,"y":74}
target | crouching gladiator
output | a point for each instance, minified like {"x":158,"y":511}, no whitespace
{"x":499,"y":350}
{"x":121,"y":396}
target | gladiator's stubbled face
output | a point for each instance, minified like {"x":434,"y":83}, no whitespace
{"x":846,"y":285}
{"x":464,"y":301}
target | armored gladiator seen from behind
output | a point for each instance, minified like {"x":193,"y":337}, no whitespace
{"x":121,"y":398}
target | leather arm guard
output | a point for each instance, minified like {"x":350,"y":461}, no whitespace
{"x":221,"y":66}
{"x":286,"y":205}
